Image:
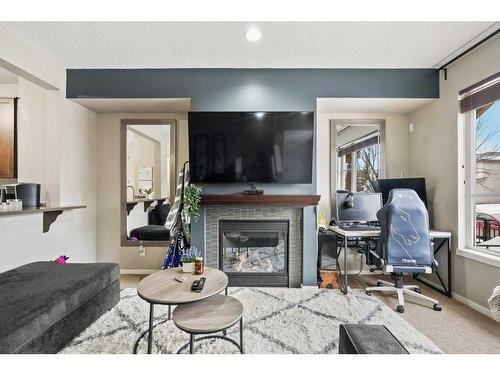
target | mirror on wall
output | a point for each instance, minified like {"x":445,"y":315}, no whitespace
{"x":148,"y":180}
{"x":8,"y":138}
{"x":358,"y":157}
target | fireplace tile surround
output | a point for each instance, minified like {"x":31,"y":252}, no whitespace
{"x":294,"y":215}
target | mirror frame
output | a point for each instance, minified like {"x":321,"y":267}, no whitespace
{"x":123,"y":175}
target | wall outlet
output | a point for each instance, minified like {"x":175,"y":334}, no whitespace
{"x":411,"y":127}
{"x":142,"y":251}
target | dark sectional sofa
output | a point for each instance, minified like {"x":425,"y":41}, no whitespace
{"x":44,"y":305}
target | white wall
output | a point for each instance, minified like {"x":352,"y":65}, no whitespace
{"x":108,"y":217}
{"x":8,"y":90}
{"x":396,"y":150}
{"x":141,"y":153}
{"x":435,"y":149}
{"x":57,"y":148}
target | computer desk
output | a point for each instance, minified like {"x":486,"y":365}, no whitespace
{"x":345,"y":235}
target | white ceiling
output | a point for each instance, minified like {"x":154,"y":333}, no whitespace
{"x":222,"y":44}
{"x":142,"y":105}
{"x":396,"y":106}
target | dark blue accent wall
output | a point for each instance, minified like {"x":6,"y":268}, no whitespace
{"x":256,"y":90}
{"x":252,"y":89}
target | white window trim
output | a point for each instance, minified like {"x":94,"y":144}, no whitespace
{"x":470,"y":251}
{"x":480,"y":256}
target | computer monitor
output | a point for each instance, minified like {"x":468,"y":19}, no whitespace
{"x":358,"y":207}
{"x":385,"y":185}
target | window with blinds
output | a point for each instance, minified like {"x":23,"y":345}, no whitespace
{"x":480,"y":104}
{"x":480,"y":94}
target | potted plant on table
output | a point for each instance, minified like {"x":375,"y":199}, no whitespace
{"x":188,"y":259}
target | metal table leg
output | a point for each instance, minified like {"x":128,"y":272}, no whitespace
{"x":342,"y":275}
{"x":446,"y":289}
{"x":345,"y":266}
{"x":191,"y":343}
{"x":169,"y":312}
{"x":150,"y":336}
{"x":224,"y":333}
{"x":449,"y":267}
{"x":241,"y":335}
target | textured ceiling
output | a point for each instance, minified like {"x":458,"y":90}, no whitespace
{"x":222,"y":45}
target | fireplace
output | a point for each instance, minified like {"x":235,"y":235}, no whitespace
{"x":254,"y":252}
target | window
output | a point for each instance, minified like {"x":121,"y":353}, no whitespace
{"x":358,"y":157}
{"x":483,"y":172}
{"x":367,"y":167}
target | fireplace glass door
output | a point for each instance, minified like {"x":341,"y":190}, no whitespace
{"x":254,"y":253}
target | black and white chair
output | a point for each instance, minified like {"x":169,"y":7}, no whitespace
{"x":404,"y":245}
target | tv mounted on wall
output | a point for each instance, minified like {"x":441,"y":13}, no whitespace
{"x":264,"y":147}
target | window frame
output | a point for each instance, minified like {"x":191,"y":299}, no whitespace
{"x":471,"y":197}
{"x":341,"y":170}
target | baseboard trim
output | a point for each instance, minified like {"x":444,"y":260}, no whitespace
{"x":475,"y":306}
{"x":137,"y":272}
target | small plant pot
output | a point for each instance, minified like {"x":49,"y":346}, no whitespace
{"x":188,"y":267}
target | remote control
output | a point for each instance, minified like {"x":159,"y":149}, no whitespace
{"x":197,"y":285}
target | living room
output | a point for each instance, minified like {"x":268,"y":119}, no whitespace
{"x":183,"y":195}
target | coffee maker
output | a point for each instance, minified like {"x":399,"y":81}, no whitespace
{"x":28,"y":193}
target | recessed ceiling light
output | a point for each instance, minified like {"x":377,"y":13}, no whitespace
{"x":253,"y":34}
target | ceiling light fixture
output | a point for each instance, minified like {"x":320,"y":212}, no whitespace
{"x":253,"y":34}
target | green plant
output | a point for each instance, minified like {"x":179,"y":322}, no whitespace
{"x":188,"y":259}
{"x":191,"y":201}
{"x":189,"y":255}
{"x":148,"y":190}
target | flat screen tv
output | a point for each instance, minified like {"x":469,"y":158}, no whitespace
{"x":265,"y":147}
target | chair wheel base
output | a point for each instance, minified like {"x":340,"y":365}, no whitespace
{"x":437,"y":307}
{"x":418,"y":290}
{"x":379,"y":284}
{"x":400,"y":309}
{"x":368,"y":293}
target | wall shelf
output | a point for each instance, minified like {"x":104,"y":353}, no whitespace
{"x":147,"y":202}
{"x":50,"y":214}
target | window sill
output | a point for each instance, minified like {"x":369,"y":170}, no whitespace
{"x":479,"y":256}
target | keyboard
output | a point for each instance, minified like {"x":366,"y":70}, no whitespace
{"x":359,"y":227}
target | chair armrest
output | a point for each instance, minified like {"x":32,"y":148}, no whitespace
{"x":435,"y":265}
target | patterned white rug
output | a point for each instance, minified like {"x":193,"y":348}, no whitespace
{"x":276,"y":320}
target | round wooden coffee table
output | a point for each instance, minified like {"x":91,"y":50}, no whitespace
{"x":214,"y":314}
{"x":161,"y":288}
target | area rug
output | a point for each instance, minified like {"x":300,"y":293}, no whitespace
{"x":276,"y":320}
